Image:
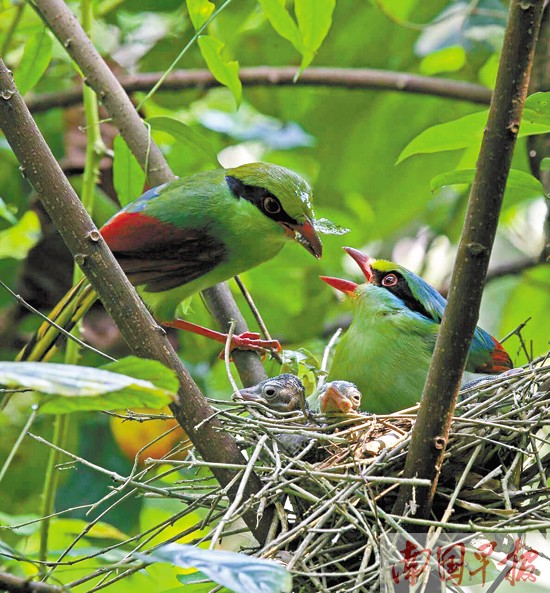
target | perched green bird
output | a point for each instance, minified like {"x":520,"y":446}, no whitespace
{"x":387,"y":349}
{"x":192,"y":233}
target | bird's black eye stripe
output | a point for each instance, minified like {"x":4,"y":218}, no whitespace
{"x":265,"y":201}
{"x":402,"y":290}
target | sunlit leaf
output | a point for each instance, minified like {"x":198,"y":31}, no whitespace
{"x":199,"y":11}
{"x":225,"y":71}
{"x":238,"y":572}
{"x":461,"y":133}
{"x":10,"y":522}
{"x":148,"y":370}
{"x":36,"y":58}
{"x":282,"y":22}
{"x":128,"y":176}
{"x":314,"y":20}
{"x":448,"y":59}
{"x":516,"y":180}
{"x":21,"y":237}
{"x":6,"y":213}
{"x":327,"y":227}
{"x":184,"y":134}
{"x":82,"y":388}
{"x":537,"y":108}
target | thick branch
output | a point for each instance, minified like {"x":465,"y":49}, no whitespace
{"x":431,"y":430}
{"x":139,"y":329}
{"x":13,"y":584}
{"x":67,"y":29}
{"x":539,"y":146}
{"x":347,"y":78}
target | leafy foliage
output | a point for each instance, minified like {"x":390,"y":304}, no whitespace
{"x":391,"y":166}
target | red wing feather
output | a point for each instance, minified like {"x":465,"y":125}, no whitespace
{"x":159,"y":254}
{"x":499,"y":363}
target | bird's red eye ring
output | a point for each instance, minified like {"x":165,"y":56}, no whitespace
{"x":389,"y":280}
{"x":271,"y":205}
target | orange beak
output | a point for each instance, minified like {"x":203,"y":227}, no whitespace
{"x":307,"y":236}
{"x":362,"y":260}
{"x":346,"y":286}
{"x":333,"y":401}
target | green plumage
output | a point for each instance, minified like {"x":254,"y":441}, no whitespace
{"x":192,"y":233}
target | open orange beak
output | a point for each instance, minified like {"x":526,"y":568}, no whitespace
{"x":307,"y":236}
{"x":362,"y":260}
{"x":333,"y":401}
{"x":346,"y":286}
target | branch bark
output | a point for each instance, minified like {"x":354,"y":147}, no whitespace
{"x":347,"y":78}
{"x":139,"y":329}
{"x":539,"y":146}
{"x":432,"y":426}
{"x":13,"y":584}
{"x":59,"y":18}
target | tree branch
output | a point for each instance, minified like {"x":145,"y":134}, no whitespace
{"x":13,"y":584}
{"x":347,"y":78}
{"x":539,"y":146}
{"x":431,"y":429}
{"x":59,"y":18}
{"x":139,"y":329}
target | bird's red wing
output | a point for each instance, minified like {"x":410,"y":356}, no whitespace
{"x":499,"y":362}
{"x":161,"y":255}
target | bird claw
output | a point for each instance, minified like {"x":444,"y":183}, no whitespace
{"x":253,"y":341}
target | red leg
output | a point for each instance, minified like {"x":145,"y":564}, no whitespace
{"x":244,"y":341}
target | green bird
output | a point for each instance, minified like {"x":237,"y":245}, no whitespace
{"x":190,"y":234}
{"x":388,"y":347}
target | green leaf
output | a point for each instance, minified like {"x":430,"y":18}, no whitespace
{"x":148,"y":370}
{"x":199,"y":11}
{"x":9,"y":522}
{"x":183,"y":134}
{"x":225,"y":71}
{"x":516,"y":180}
{"x":282,"y":22}
{"x":6,"y":213}
{"x":36,"y":58}
{"x":82,"y":388}
{"x":128,"y":176}
{"x":461,"y":133}
{"x":238,"y":572}
{"x":21,"y":237}
{"x":537,"y":108}
{"x":545,"y":164}
{"x":314,"y":20}
{"x":448,"y":59}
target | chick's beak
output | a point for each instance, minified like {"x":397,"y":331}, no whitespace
{"x":346,"y":286}
{"x":249,"y":394}
{"x":362,"y":260}
{"x":333,"y":401}
{"x":307,"y":236}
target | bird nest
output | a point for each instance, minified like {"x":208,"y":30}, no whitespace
{"x":334,"y":526}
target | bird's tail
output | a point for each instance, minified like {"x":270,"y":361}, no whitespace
{"x":66,"y":314}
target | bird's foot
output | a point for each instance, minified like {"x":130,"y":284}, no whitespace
{"x":245,"y":341}
{"x":253,"y":341}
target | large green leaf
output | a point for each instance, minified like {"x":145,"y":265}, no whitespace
{"x":282,"y":22}
{"x":225,"y":71}
{"x":36,"y":58}
{"x":21,"y":237}
{"x":237,"y":572}
{"x":77,"y":388}
{"x":314,"y":20}
{"x":516,"y":180}
{"x":199,"y":11}
{"x":462,"y":133}
{"x":183,"y":134}
{"x":128,"y":176}
{"x":148,"y":370}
